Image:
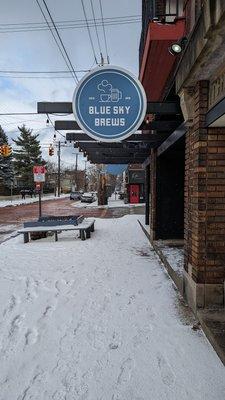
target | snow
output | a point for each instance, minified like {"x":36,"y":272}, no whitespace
{"x":6,"y":231}
{"x":112,"y":203}
{"x":98,"y":320}
{"x":174,"y":255}
{"x":28,"y":200}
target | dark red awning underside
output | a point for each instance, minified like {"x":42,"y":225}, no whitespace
{"x":157,"y":62}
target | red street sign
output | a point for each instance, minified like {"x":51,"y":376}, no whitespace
{"x":38,"y":186}
{"x":39,"y":169}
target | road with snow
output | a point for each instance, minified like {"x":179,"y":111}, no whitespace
{"x":98,"y":320}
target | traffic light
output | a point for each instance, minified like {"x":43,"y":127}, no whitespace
{"x":51,"y":150}
{"x":5,"y":150}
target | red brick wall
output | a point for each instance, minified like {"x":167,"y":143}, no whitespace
{"x":205,"y":195}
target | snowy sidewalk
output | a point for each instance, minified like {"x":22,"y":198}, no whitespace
{"x":30,"y":200}
{"x":98,"y":320}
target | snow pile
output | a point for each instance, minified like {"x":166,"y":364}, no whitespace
{"x":29,"y":200}
{"x":6,"y":231}
{"x":98,"y":320}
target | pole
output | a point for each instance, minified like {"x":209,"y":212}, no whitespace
{"x":85,"y":177}
{"x":76,"y":162}
{"x":11,"y":191}
{"x":147,"y":193}
{"x":39,"y":195}
{"x":59,"y":183}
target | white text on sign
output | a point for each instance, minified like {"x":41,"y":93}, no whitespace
{"x":109,"y":110}
{"x":102,"y":110}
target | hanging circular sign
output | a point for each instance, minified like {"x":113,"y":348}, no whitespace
{"x":109,"y":104}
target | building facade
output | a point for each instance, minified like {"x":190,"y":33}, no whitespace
{"x":187,"y":171}
{"x":135,"y":184}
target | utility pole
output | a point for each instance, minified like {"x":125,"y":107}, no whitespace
{"x":76,"y":161}
{"x":59,"y":169}
{"x":85,"y":177}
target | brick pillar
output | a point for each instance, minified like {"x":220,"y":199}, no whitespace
{"x":153,"y":195}
{"x":204,"y":208}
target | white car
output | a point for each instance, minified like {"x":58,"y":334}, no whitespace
{"x":88,"y":197}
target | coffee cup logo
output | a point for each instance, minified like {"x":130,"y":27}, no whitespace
{"x":108,"y":93}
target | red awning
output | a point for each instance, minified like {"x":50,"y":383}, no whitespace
{"x":157,"y":62}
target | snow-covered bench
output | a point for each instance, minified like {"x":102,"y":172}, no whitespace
{"x":85,"y":228}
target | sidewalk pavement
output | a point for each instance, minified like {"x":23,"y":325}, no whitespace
{"x":212,"y":321}
{"x":99,"y":319}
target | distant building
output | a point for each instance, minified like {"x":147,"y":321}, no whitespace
{"x":135,"y":184}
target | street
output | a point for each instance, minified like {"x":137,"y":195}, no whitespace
{"x":98,"y":320}
{"x":64,"y":206}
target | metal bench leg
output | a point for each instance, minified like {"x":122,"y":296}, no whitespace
{"x":92,"y":227}
{"x":56,"y":236}
{"x":26,"y":237}
{"x":82,"y":234}
{"x":88,"y":233}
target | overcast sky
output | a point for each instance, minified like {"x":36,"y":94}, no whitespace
{"x":37,"y":51}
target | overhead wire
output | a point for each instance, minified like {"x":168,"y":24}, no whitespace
{"x":40,"y":72}
{"x":89,"y":32}
{"x":72,"y":26}
{"x":52,"y":32}
{"x":20,"y":113}
{"x":36,"y":77}
{"x":54,"y":126}
{"x":96,"y":31}
{"x":104,"y":33}
{"x":72,"y":21}
{"x":60,"y":39}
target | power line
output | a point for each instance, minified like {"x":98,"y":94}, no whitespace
{"x":60,"y":39}
{"x":89,"y":32}
{"x":20,"y":113}
{"x":72,"y":21}
{"x":36,"y":77}
{"x":63,"y":27}
{"x":104,"y":33}
{"x":41,"y":72}
{"x":54,"y":126}
{"x":52,"y":32}
{"x":96,"y":31}
{"x":20,"y":122}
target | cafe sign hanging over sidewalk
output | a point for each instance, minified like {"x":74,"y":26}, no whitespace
{"x":109,"y":104}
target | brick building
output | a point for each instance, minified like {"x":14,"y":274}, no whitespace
{"x":187,"y":171}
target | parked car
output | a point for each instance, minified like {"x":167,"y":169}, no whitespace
{"x":88,"y":198}
{"x":121,"y":195}
{"x":75,"y":196}
{"x":94,"y":194}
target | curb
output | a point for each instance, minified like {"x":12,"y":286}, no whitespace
{"x":178,"y":280}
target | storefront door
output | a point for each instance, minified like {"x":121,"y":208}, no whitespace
{"x":134,"y":194}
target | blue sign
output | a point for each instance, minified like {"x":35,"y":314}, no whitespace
{"x":109,"y":104}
